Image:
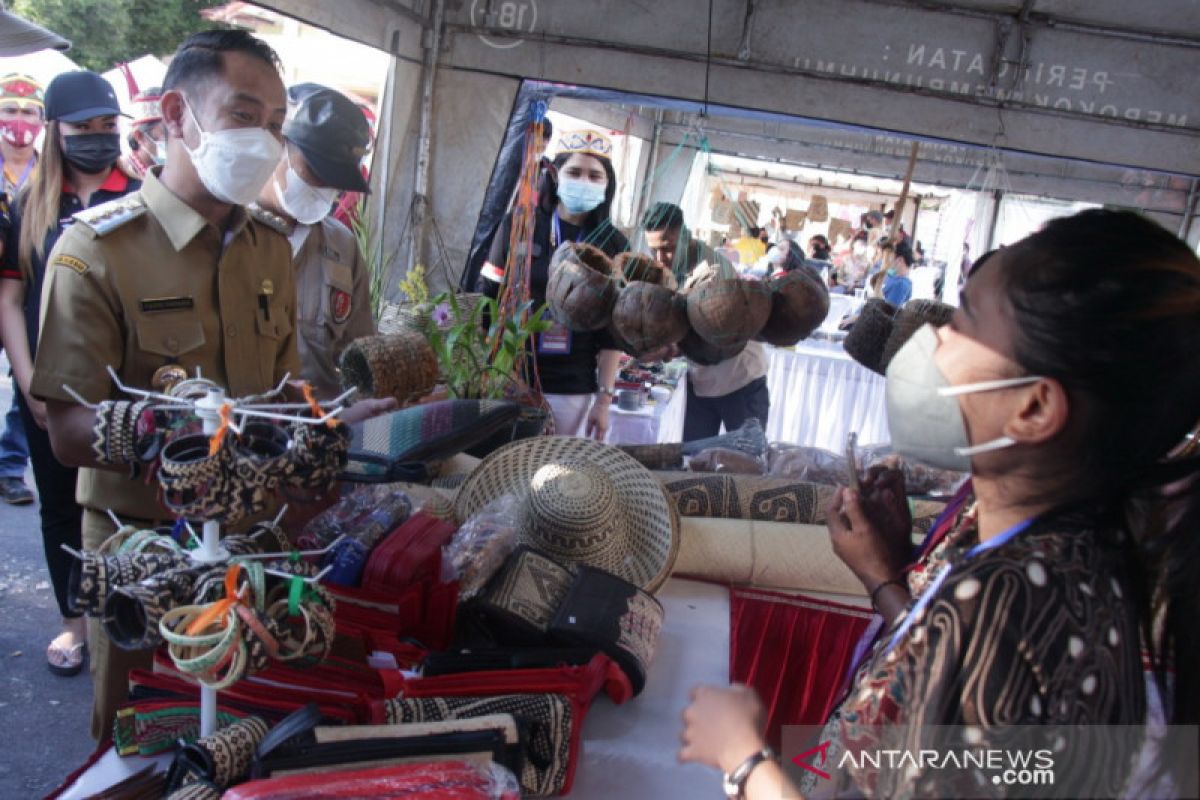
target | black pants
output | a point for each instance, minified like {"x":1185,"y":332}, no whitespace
{"x":62,"y":517}
{"x":705,"y":414}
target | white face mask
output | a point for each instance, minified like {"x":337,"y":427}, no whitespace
{"x":306,"y":204}
{"x":923,"y":413}
{"x":234,"y":164}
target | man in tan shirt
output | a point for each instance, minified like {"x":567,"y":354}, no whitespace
{"x":325,"y":137}
{"x":735,"y":389}
{"x":176,"y":274}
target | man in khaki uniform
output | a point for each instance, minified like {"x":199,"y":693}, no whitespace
{"x":325,"y":138}
{"x":175,"y":274}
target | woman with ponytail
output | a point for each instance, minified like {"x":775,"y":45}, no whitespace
{"x":1068,"y":385}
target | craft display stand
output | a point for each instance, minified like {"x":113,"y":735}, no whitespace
{"x":207,"y":406}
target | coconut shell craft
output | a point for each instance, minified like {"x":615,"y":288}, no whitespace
{"x":728,"y":311}
{"x":911,"y":316}
{"x":582,"y":288}
{"x":705,"y":353}
{"x":399,"y":365}
{"x":799,"y":303}
{"x":636,"y":267}
{"x":870,"y":333}
{"x":647,"y":317}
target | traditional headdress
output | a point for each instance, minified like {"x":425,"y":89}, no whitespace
{"x":23,"y":90}
{"x":588,"y":142}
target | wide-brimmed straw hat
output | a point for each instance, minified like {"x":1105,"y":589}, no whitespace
{"x":584,"y":503}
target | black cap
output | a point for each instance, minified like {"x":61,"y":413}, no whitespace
{"x":333,"y":134}
{"x":76,"y":96}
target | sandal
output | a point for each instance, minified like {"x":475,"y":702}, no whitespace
{"x":73,"y":657}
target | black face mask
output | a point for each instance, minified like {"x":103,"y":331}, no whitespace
{"x":92,"y":152}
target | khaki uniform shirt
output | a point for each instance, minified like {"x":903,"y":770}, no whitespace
{"x":731,"y":374}
{"x":333,"y":286}
{"x":145,"y":281}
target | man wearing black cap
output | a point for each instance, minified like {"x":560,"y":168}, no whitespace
{"x":325,"y":138}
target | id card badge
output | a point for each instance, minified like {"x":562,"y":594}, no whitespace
{"x":555,"y":342}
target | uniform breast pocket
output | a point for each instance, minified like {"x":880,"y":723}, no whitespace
{"x":272,"y":338}
{"x":165,"y":341}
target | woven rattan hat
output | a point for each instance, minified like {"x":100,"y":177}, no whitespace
{"x":585,"y":503}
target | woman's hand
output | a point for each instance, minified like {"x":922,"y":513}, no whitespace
{"x":722,"y":727}
{"x":597,"y":418}
{"x":871,"y":529}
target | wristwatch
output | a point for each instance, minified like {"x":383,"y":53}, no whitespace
{"x":612,"y":393}
{"x":734,"y":783}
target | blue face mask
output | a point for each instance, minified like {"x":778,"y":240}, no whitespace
{"x":580,"y":197}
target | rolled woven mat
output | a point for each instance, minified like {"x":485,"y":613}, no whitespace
{"x":758,"y":497}
{"x":656,"y":456}
{"x":401,"y":365}
{"x":774,"y":555}
{"x":729,"y":496}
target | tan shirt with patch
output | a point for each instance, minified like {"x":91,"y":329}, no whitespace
{"x":333,"y":287}
{"x":145,"y":281}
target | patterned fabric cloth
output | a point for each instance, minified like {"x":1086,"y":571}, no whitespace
{"x":1038,"y":631}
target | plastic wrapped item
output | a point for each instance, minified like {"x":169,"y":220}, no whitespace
{"x":722,"y":459}
{"x":482,"y":544}
{"x":366,"y":514}
{"x":814,"y":465}
{"x":445,"y":780}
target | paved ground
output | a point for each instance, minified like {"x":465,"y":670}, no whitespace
{"x":44,"y":718}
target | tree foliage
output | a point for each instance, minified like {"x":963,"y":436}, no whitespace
{"x":106,"y":32}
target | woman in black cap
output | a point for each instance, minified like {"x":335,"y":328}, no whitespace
{"x":77,"y":170}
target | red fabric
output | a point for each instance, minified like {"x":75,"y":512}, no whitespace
{"x":116,"y":182}
{"x":409,"y":554}
{"x":444,"y":780}
{"x":794,"y":651}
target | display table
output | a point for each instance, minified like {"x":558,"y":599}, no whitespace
{"x":651,"y":424}
{"x":629,"y":751}
{"x":819,"y":394}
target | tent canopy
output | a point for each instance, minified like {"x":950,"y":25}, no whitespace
{"x":1088,"y":100}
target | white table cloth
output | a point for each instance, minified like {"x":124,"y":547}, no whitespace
{"x":652,"y":424}
{"x":819,"y":394}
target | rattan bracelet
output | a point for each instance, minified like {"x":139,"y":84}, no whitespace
{"x":179,"y":617}
{"x":210,"y":653}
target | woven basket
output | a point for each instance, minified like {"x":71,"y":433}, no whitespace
{"x":799,"y":303}
{"x":870,"y":333}
{"x":911,"y":316}
{"x":581,"y":290}
{"x":647,"y":317}
{"x":400,"y":365}
{"x":728,"y":311}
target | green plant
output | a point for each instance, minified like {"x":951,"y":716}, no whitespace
{"x":371,"y":247}
{"x":414,"y":287}
{"x":479,"y":363}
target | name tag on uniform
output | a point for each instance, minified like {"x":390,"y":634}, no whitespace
{"x":555,"y":342}
{"x":152,"y":304}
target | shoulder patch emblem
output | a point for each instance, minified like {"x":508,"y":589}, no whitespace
{"x":340,"y":305}
{"x":72,"y":262}
{"x":107,"y":217}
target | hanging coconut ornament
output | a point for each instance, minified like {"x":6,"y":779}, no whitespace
{"x":635,"y":267}
{"x":705,"y":353}
{"x":799,"y":303}
{"x":909,"y":318}
{"x":581,"y":290}
{"x":647,"y":317}
{"x":728,"y":310}
{"x":869,"y":336}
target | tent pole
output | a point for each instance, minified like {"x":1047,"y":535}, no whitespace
{"x":384,"y":134}
{"x":908,"y":173}
{"x":997,"y":199}
{"x":1189,"y":210}
{"x":420,"y":206}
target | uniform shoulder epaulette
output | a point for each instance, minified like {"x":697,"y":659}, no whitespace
{"x":271,"y":220}
{"x":107,"y":217}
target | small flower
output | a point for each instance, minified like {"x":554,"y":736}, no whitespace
{"x":441,"y":315}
